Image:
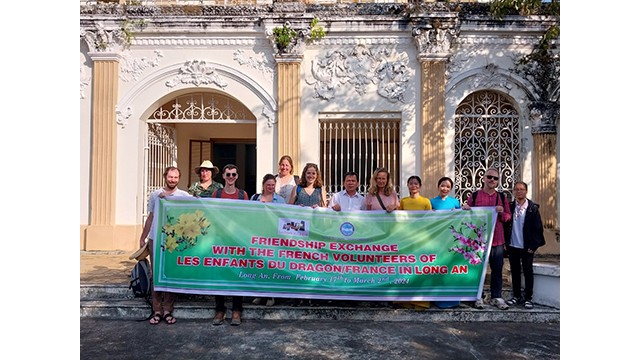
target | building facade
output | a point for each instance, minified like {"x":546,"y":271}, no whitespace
{"x":421,"y":88}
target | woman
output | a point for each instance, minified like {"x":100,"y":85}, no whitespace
{"x":310,"y":191}
{"x":286,"y":181}
{"x":268,"y":195}
{"x":206,"y":186}
{"x":443,"y":201}
{"x":381,"y":195}
{"x":414,"y":201}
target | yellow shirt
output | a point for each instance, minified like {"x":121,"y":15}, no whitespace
{"x":419,"y":203}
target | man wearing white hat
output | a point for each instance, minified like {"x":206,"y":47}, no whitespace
{"x":162,"y":302}
{"x":206,"y":186}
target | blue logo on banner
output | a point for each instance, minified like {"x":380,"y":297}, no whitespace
{"x":347,"y":229}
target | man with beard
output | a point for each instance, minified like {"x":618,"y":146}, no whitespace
{"x":162,"y":302}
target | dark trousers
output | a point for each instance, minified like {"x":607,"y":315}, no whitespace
{"x":496,"y":261}
{"x":236,"y":303}
{"x":521,"y":262}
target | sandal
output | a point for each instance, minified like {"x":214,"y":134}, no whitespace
{"x":528,"y":305}
{"x":155,"y":319}
{"x":169,"y":319}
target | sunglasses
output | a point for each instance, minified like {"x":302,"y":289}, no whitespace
{"x":491,"y":177}
{"x":231,"y":174}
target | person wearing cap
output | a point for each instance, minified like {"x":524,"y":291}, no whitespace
{"x":162,"y":302}
{"x":206,"y":186}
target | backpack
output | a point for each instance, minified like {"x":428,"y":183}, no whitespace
{"x":255,"y":197}
{"x":218,"y":194}
{"x":140,"y":279}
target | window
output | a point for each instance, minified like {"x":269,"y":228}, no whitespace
{"x":360,"y":142}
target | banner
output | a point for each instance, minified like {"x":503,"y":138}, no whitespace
{"x":230,"y":247}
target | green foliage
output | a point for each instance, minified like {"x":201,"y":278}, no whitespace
{"x":284,"y":35}
{"x":127,"y":29}
{"x":500,"y":8}
{"x":317,"y":31}
{"x":542,"y":66}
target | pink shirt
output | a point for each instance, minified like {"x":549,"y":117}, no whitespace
{"x":484,"y":199}
{"x":372,"y":200}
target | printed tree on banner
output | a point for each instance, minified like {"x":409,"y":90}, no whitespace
{"x":183,"y":233}
{"x":471,"y":247}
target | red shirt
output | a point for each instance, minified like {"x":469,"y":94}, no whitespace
{"x":485,"y":199}
{"x":224,"y":195}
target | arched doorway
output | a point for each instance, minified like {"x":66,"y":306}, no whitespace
{"x":197,"y":126}
{"x":487,"y":134}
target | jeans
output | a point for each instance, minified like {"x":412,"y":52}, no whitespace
{"x":496,"y":261}
{"x":521,"y":261}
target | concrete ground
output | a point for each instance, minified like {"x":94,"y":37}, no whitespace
{"x":313,"y":340}
{"x":300,"y":339}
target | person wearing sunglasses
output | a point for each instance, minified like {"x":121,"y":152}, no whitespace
{"x":488,"y":196}
{"x":229,"y":191}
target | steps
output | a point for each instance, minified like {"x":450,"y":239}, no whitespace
{"x":117,"y":302}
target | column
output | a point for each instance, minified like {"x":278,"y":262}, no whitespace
{"x":433,"y":40}
{"x":100,"y":232}
{"x":433,"y":120}
{"x":289,"y":107}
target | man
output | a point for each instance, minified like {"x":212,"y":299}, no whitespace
{"x":348,"y":199}
{"x":229,"y":191}
{"x":162,"y":302}
{"x":524,"y":234}
{"x":488,"y":196}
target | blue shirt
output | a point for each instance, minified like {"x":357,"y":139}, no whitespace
{"x":448,"y":203}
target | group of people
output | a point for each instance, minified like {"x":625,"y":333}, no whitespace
{"x":519,"y":235}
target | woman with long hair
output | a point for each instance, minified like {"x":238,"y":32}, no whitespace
{"x":381,"y":195}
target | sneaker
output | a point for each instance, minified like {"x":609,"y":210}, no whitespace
{"x":514,"y":301}
{"x":528,"y":305}
{"x":479,"y":304}
{"x":499,"y":303}
{"x":257,"y":301}
{"x":271,"y":302}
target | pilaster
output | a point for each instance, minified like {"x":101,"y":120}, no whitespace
{"x":289,"y":106}
{"x":544,"y":115}
{"x":101,"y":230}
{"x":433,"y":122}
{"x":433,"y":37}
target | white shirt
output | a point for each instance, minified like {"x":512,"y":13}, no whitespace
{"x":152,"y":201}
{"x":346,"y":202}
{"x":284,"y":189}
{"x":517,"y":239}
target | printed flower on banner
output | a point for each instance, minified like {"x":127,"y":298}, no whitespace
{"x":183,"y":233}
{"x":470,"y":247}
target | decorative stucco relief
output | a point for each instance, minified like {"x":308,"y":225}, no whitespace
{"x":491,"y":78}
{"x":269,"y":115}
{"x":544,"y":116}
{"x":85,"y":75}
{"x":197,"y":72}
{"x":103,"y":40}
{"x":122,"y":116}
{"x":264,"y":66}
{"x":435,"y":41}
{"x":131,"y":67}
{"x":360,"y":67}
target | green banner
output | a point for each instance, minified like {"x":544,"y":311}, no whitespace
{"x":231,"y":247}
